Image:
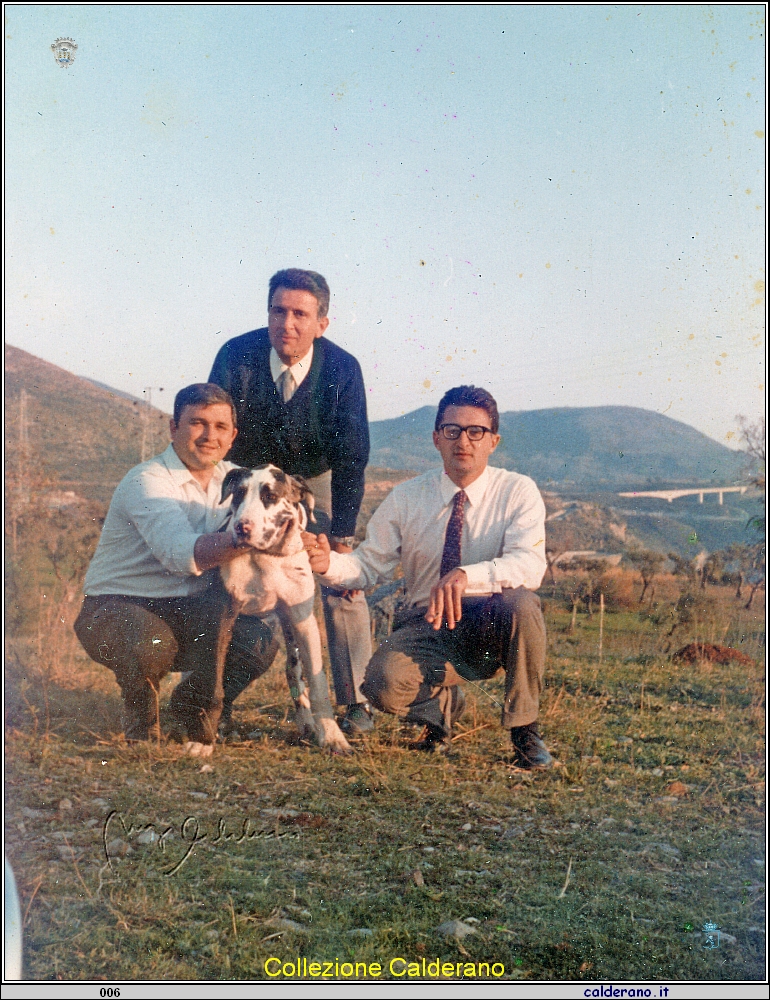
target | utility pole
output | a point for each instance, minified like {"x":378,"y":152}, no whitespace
{"x":22,"y":464}
{"x":145,"y":414}
{"x":601,"y":624}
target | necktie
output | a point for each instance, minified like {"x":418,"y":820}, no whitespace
{"x":288,"y":385}
{"x":450,"y":558}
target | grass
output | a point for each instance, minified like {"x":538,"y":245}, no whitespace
{"x":605,"y":868}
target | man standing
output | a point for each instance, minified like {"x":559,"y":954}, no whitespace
{"x":148,"y":608}
{"x":301,"y":405}
{"x":471,"y":542}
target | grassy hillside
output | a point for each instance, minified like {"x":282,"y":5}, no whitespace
{"x":84,"y":436}
{"x":605,"y":868}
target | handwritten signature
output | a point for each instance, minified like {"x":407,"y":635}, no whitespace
{"x":191,"y":833}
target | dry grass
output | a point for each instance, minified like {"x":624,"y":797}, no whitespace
{"x":655,"y":814}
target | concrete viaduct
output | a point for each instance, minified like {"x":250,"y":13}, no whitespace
{"x":675,"y":494}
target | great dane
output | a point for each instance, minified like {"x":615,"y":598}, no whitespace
{"x":267,"y":517}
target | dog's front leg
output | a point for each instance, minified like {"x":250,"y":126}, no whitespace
{"x":328,"y":733}
{"x":303,"y":716}
{"x":206,"y":734}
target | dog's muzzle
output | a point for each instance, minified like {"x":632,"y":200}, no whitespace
{"x":243,"y":530}
{"x":273,"y":531}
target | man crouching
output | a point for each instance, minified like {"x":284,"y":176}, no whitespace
{"x":150,"y":605}
{"x":471,"y":542}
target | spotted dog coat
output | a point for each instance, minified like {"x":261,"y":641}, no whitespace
{"x":273,"y":573}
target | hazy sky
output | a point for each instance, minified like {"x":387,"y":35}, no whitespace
{"x":564,"y":204}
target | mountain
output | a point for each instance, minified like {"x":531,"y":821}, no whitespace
{"x":83,"y":435}
{"x":90,"y":434}
{"x":601,"y":448}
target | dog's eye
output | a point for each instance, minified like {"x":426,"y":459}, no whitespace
{"x":239,"y":496}
{"x":267,"y":496}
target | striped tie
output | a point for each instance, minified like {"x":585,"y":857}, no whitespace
{"x":450,"y":558}
{"x":288,"y":385}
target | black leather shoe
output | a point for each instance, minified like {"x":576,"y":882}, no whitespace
{"x":435,"y":740}
{"x":135,"y":725}
{"x":228,"y":730}
{"x":531,"y":753}
{"x":458,"y":703}
{"x":358,"y":719}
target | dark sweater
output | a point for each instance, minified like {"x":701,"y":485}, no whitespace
{"x":323,"y":426}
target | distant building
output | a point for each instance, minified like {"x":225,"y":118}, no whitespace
{"x":62,"y":500}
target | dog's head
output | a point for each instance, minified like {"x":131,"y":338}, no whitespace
{"x":266,"y":504}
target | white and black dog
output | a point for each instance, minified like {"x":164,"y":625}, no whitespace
{"x":267,"y":517}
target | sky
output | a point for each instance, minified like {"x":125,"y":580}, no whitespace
{"x":564,"y":204}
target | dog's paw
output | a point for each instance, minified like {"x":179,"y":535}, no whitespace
{"x":330,"y":737}
{"x":198,"y":749}
{"x":303,"y":719}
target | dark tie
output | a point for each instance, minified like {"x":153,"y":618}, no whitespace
{"x":450,"y":558}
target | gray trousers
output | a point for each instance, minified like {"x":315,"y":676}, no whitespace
{"x":348,"y":628}
{"x":141,"y":639}
{"x":414,"y":670}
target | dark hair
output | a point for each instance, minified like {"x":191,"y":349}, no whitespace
{"x":301,"y":281}
{"x":202,"y":394}
{"x":469,"y":395}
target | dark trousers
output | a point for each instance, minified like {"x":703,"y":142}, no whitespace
{"x":414,"y":670}
{"x":141,"y":639}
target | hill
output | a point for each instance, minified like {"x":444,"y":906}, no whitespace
{"x":83,"y":435}
{"x":598,"y":448}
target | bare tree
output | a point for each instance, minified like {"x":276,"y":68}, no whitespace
{"x":649,"y":565}
{"x":574,"y":589}
{"x":713,"y":568}
{"x":551,"y":558}
{"x":683,"y":567}
{"x":749,"y":563}
{"x":753,"y":438}
{"x":589,"y":589}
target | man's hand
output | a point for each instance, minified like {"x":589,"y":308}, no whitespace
{"x":343,"y":550}
{"x":446,"y":599}
{"x":318,"y":551}
{"x":215,"y":548}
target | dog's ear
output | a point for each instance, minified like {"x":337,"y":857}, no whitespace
{"x":300,"y":492}
{"x":232,"y":481}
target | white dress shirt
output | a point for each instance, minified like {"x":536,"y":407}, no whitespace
{"x":503,"y":539}
{"x":299,"y":370}
{"x":156,"y":515}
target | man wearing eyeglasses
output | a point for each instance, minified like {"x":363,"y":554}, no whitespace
{"x":471,"y":541}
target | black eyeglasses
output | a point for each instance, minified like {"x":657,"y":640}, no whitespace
{"x":475,"y":432}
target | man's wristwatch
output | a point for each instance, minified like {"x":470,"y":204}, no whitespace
{"x":342,"y":540}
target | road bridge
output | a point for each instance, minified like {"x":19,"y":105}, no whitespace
{"x":671,"y":495}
